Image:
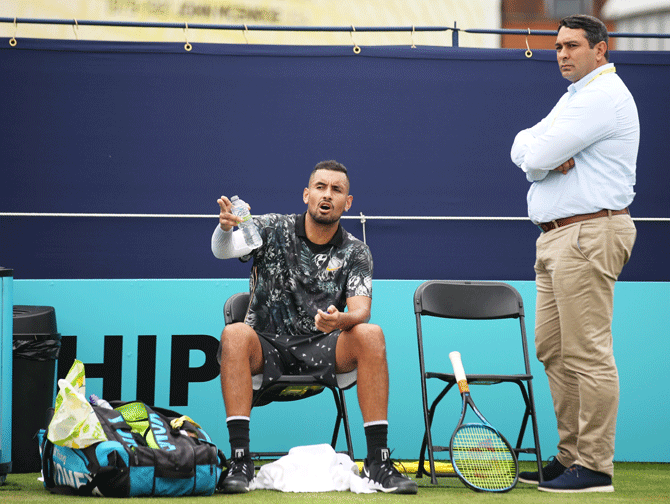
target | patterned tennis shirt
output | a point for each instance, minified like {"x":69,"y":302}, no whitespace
{"x":291,"y":277}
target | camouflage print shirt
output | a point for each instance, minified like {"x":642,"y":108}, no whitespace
{"x":291,"y":278}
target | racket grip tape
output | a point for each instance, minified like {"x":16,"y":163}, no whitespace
{"x":459,"y":372}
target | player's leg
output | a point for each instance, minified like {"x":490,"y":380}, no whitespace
{"x":364,"y":348}
{"x":241,"y":357}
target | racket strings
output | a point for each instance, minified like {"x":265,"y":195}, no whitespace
{"x":482,"y":457}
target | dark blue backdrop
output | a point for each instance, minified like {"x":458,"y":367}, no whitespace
{"x":140,"y":128}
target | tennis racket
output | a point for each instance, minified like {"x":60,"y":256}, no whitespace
{"x":482,"y":458}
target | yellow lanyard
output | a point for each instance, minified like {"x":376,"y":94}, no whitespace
{"x":606,"y":71}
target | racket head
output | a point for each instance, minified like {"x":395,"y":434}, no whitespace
{"x":483,"y":459}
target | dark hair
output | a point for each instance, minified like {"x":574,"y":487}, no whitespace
{"x":330,"y":165}
{"x":594,"y":29}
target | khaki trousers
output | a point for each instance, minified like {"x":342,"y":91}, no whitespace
{"x":576,"y":269}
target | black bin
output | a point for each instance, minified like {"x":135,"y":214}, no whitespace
{"x":35,"y":350}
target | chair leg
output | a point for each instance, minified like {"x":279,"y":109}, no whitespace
{"x":431,"y":456}
{"x":427,"y":443}
{"x":338,"y":419}
{"x":342,"y":418}
{"x":536,"y":434}
{"x":427,"y":438}
{"x":347,"y":430}
{"x":422,"y":456}
{"x":530,"y":413}
{"x":524,"y":421}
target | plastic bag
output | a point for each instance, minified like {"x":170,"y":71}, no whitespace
{"x":74,"y":423}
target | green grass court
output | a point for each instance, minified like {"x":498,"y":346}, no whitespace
{"x":633,"y":483}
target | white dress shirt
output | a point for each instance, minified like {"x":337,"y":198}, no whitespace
{"x":596,"y":124}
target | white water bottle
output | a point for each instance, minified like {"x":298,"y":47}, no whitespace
{"x":249,"y":230}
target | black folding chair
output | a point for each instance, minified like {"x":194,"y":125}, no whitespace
{"x":293,"y":387}
{"x":471,"y":301}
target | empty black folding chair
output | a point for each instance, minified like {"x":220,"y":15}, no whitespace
{"x":471,"y":301}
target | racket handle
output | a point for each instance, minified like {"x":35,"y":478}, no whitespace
{"x":459,"y":372}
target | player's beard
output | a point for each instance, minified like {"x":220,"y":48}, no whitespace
{"x":324,"y":220}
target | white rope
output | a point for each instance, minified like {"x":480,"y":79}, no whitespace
{"x":361,"y":217}
{"x":97,"y":215}
{"x":428,"y":217}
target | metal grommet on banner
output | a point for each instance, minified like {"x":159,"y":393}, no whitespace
{"x":357,"y":49}
{"x":529,"y":53}
{"x":187,"y":45}
{"x":12,"y":41}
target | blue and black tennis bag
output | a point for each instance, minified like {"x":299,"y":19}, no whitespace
{"x":149,"y":451}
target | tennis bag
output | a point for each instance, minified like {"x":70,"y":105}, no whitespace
{"x":149,"y":451}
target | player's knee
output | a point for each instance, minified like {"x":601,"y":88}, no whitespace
{"x":371,"y":338}
{"x":235,"y":338}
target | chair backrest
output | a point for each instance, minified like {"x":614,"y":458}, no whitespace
{"x":468,"y":300}
{"x":235,"y":308}
{"x":452,"y":299}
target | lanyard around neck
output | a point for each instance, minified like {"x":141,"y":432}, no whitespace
{"x":606,"y":71}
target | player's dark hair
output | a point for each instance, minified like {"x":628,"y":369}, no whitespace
{"x":594,"y":29}
{"x":330,"y":165}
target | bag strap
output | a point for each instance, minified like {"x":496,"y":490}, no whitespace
{"x":47,"y":467}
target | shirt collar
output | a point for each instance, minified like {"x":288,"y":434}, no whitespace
{"x":337,"y":239}
{"x":583,"y":82}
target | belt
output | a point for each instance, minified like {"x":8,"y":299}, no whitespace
{"x":548,"y":226}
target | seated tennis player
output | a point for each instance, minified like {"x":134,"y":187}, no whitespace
{"x":303,"y":277}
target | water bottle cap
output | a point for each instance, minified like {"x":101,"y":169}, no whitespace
{"x":234,"y":198}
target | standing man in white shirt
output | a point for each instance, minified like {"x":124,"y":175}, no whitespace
{"x":581,"y":161}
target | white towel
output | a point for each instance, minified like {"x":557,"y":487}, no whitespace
{"x":314,"y":468}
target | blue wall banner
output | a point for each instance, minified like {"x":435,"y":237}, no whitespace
{"x":158,"y":339}
{"x":137,"y":129}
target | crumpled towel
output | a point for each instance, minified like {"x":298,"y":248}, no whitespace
{"x":313,"y":468}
